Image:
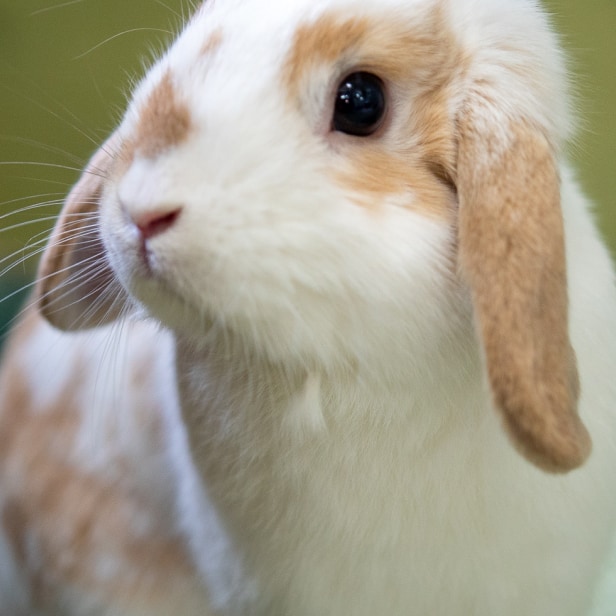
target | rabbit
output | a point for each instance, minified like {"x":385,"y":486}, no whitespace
{"x":336,"y":249}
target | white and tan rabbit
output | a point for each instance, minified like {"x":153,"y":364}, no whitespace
{"x":370,"y":281}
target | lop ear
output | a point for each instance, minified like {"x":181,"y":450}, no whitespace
{"x":76,"y":288}
{"x":511,"y":254}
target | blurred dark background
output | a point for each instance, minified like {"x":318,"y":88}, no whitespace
{"x":66,"y":68}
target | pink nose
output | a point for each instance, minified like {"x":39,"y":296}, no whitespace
{"x":152,"y":223}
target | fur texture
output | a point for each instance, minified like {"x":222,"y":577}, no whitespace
{"x":362,"y":335}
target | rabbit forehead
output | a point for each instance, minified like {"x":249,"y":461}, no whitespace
{"x":232,"y":47}
{"x":259,"y":47}
{"x":238,"y":77}
{"x":230,"y":67}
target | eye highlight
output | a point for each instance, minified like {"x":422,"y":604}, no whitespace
{"x":360,"y":104}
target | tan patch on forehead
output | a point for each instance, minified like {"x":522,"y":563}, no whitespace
{"x":385,"y":46}
{"x":320,"y":42}
{"x":512,"y":256}
{"x":164,"y":120}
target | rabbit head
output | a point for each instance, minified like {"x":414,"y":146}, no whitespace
{"x":343,"y":183}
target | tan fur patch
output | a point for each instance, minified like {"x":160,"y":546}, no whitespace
{"x":76,"y":288}
{"x":511,"y":250}
{"x":393,"y":50}
{"x":90,"y":533}
{"x":212,"y":43}
{"x":413,"y":157}
{"x":164,"y":121}
{"x":374,"y":174}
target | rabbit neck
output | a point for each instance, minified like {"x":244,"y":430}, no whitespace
{"x":301,"y":464}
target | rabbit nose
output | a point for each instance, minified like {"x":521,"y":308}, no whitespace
{"x":145,"y":201}
{"x":154,"y":222}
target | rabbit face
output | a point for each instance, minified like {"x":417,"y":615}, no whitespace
{"x":347,"y":183}
{"x":236,"y":201}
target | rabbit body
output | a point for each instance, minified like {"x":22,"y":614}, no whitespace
{"x":88,"y":487}
{"x":365,"y":336}
{"x":376,"y":496}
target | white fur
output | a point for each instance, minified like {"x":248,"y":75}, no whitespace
{"x":345,"y":458}
{"x":404,"y":496}
{"x":396,"y":491}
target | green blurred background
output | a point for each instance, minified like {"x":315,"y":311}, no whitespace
{"x":66,"y":68}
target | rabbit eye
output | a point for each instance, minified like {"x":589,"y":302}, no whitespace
{"x":360,"y":104}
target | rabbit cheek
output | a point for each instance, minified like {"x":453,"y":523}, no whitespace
{"x":376,"y":178}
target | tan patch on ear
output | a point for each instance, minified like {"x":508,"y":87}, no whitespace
{"x":164,"y":121}
{"x":76,"y":287}
{"x":412,"y":157}
{"x":511,"y":251}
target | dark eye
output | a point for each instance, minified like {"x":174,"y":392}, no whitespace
{"x":360,"y":104}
